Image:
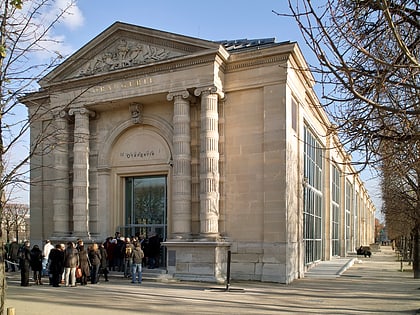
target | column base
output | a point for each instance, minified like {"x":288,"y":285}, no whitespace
{"x":197,"y":260}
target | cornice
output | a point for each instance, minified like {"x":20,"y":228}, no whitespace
{"x":254,"y":62}
{"x":142,"y":70}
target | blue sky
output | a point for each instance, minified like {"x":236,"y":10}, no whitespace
{"x":210,"y":20}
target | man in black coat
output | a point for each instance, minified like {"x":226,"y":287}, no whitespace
{"x":56,"y":264}
{"x":13,"y":254}
{"x":25,"y":264}
{"x":153,"y":250}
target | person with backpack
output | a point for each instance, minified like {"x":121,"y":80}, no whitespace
{"x":128,"y":260}
{"x":136,"y":266}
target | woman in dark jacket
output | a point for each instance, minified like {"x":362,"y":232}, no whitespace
{"x":84,"y":264}
{"x":95,"y":260}
{"x":36,"y":263}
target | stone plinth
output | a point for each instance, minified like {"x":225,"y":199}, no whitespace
{"x":197,"y":261}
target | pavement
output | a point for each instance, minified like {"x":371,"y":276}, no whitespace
{"x":352,"y":285}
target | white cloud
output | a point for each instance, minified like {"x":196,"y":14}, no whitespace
{"x":73,"y":17}
{"x":50,"y":41}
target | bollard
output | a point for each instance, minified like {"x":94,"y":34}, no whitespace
{"x":10,"y":311}
{"x":228,"y":270}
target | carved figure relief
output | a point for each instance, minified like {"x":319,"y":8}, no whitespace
{"x":125,"y":54}
{"x":136,"y":110}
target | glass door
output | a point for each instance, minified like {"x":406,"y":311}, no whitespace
{"x":145,"y":213}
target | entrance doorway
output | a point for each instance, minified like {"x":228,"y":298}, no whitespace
{"x":146,"y":208}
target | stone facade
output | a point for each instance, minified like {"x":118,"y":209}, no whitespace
{"x":223,"y":123}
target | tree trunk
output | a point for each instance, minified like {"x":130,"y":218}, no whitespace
{"x":416,"y":252}
{"x":2,"y":275}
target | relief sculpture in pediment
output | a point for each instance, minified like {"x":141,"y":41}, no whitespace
{"x":125,"y":55}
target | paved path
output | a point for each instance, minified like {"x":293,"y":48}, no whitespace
{"x":369,"y":286}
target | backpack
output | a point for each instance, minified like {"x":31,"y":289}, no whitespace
{"x":128,"y":251}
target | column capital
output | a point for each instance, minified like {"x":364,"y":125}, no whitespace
{"x":212,"y":89}
{"x":82,"y":111}
{"x":60,"y":113}
{"x":182,"y":93}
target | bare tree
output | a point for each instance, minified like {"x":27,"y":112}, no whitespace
{"x":368,"y":53}
{"x":401,"y":195}
{"x":15,"y":217}
{"x":24,"y":35}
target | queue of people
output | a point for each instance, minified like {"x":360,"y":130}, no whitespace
{"x":74,"y":263}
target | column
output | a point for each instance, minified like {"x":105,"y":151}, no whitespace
{"x":81,"y":172}
{"x":61,"y":207}
{"x":181,"y":178}
{"x":209,"y":163}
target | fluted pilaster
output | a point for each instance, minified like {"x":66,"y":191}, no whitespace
{"x":181,"y":196}
{"x":61,"y":169}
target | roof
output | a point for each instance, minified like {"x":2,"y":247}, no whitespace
{"x":236,"y":44}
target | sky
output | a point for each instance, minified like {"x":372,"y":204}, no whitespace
{"x":211,"y":20}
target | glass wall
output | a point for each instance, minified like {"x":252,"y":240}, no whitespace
{"x":347,"y":223}
{"x":335,"y":211}
{"x":312,"y":212}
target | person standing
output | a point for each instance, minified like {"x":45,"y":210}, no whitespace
{"x":110,"y":248}
{"x":153,"y":250}
{"x":84,"y":264}
{"x":56,"y":265}
{"x":13,"y":255}
{"x":36,"y":263}
{"x":136,"y":266}
{"x":95,"y":260}
{"x":45,"y":254}
{"x":119,"y":253}
{"x":71,"y":260}
{"x":25,"y":264}
{"x":103,"y":269}
{"x":128,"y":260}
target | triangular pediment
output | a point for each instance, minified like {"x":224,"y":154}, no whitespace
{"x":124,"y":46}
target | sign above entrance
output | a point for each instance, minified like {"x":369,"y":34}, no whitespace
{"x":139,"y":146}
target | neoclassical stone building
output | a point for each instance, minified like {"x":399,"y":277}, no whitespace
{"x":215,"y":146}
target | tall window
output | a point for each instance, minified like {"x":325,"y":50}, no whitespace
{"x":335,"y":211}
{"x":356,"y":220}
{"x":347,"y":223}
{"x":312,"y":213}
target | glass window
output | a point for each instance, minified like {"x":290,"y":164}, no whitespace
{"x":347,"y":223}
{"x":335,"y":211}
{"x":313,"y":172}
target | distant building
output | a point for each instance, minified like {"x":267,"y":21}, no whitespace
{"x":215,"y":146}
